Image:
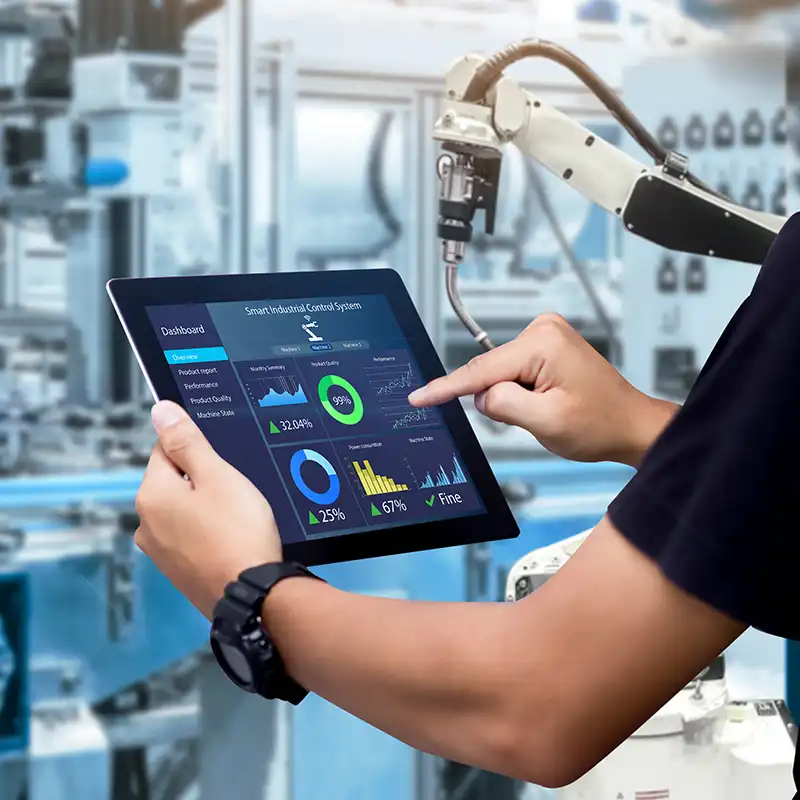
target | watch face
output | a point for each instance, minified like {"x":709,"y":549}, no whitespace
{"x":236,"y":663}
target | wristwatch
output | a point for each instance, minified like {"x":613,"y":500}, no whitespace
{"x":243,"y":648}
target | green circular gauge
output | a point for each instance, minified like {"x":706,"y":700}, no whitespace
{"x":351,"y":417}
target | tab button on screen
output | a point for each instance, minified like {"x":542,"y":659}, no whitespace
{"x":196,"y":355}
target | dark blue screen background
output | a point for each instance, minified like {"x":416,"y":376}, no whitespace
{"x":308,"y":398}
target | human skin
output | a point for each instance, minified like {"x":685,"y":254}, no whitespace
{"x":464,"y":680}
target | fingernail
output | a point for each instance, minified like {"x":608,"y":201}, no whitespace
{"x":417,"y":395}
{"x":480,"y":402}
{"x":165,"y":415}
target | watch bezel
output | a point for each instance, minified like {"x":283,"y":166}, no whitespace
{"x":224,"y":663}
{"x":258,"y":651}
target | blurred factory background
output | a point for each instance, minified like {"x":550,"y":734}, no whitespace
{"x":278,"y":135}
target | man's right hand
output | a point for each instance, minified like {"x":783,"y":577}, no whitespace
{"x":579,"y":408}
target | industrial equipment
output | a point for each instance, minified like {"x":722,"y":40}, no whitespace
{"x":659,"y":317}
{"x":669,"y":327}
{"x":98,"y":102}
{"x":667,"y":204}
{"x":100,"y":686}
{"x":14,"y":633}
{"x":731,"y":751}
{"x":91,"y":131}
{"x":703,"y":743}
{"x":373,"y":161}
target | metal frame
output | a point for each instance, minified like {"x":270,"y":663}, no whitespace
{"x":237,"y":101}
{"x":246,"y":731}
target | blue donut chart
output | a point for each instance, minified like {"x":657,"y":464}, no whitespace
{"x":324,"y":498}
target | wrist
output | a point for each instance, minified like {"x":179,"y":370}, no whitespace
{"x":648,"y":418}
{"x":283,"y":603}
{"x":284,"y":614}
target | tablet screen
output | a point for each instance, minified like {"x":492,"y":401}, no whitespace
{"x":308,"y":398}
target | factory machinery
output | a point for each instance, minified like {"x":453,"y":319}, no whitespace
{"x":361,"y":194}
{"x":105,"y":691}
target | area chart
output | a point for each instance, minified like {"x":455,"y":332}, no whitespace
{"x":373,"y":484}
{"x":442,"y":477}
{"x":278,"y":391}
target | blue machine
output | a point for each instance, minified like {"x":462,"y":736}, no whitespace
{"x":57,"y":612}
{"x":14,"y":617}
{"x":71,"y":612}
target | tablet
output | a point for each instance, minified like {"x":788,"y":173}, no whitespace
{"x":301,"y":382}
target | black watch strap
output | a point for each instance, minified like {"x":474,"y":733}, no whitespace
{"x":267,"y":576}
{"x":242,"y":602}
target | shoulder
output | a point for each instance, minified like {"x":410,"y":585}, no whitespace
{"x":781,"y":268}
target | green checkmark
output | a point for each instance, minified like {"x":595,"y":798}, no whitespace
{"x":432,"y":500}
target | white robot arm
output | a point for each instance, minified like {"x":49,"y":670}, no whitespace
{"x":484,"y":110}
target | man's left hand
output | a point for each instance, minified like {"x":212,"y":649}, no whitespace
{"x":204,"y":529}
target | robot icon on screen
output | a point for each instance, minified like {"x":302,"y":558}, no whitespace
{"x":309,"y":330}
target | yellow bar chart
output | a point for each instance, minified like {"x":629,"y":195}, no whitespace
{"x":376,"y":484}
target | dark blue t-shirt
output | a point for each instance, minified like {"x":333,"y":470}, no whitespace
{"x":715,"y":501}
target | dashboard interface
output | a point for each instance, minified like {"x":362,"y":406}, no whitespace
{"x":308,"y":398}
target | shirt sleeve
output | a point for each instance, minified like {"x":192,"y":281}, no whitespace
{"x":715,"y":501}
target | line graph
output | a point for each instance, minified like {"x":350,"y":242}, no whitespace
{"x":391,"y":383}
{"x":416,"y":416}
{"x":403,"y":380}
{"x":393,"y":378}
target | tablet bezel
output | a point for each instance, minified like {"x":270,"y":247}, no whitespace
{"x":131,"y":297}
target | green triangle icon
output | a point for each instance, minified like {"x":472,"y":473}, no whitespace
{"x":312,"y":519}
{"x":375,"y":512}
{"x":273,"y":428}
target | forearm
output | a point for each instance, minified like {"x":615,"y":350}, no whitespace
{"x":648,"y":418}
{"x":441,"y":677}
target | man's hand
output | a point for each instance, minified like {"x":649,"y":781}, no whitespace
{"x":580,"y":407}
{"x":201,"y":530}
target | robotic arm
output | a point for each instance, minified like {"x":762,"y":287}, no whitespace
{"x":484,"y":110}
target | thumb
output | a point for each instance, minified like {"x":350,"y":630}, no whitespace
{"x":508,"y":402}
{"x":182,"y":441}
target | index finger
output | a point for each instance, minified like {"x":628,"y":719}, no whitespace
{"x":504,"y":363}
